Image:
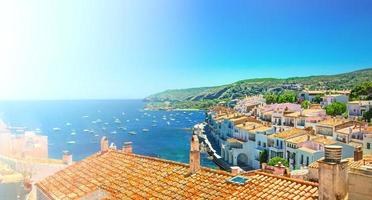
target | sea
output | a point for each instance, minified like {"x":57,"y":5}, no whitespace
{"x":78,"y":125}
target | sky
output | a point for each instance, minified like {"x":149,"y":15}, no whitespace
{"x":108,"y":49}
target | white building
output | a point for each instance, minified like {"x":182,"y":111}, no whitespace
{"x":358,"y":108}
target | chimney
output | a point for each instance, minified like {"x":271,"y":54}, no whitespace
{"x":235,"y":170}
{"x":358,"y":153}
{"x":127,"y":148}
{"x":112,"y":146}
{"x":27,"y":183}
{"x":67,"y":158}
{"x":104,"y":144}
{"x":194,"y":155}
{"x":279,"y":169}
{"x":333,"y":174}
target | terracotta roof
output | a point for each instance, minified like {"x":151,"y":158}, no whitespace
{"x":300,"y":139}
{"x":362,"y":103}
{"x":233,"y":140}
{"x":253,"y":126}
{"x":293,"y":132}
{"x":333,"y":122}
{"x":307,"y":113}
{"x":129,"y":176}
{"x":366,"y":161}
{"x":323,"y":140}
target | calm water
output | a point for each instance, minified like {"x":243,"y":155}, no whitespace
{"x":168,"y":134}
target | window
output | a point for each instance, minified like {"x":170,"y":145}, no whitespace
{"x":259,"y":143}
{"x":264,"y":144}
{"x":277,"y":143}
{"x":307,"y":161}
{"x":368,"y":145}
{"x":302,"y":159}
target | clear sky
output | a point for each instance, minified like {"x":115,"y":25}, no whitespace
{"x":76,"y":49}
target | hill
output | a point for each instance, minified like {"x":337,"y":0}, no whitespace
{"x":260,"y":86}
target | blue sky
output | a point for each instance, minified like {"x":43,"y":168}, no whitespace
{"x":129,"y":49}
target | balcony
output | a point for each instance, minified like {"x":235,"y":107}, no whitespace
{"x":276,"y":149}
{"x":260,"y":148}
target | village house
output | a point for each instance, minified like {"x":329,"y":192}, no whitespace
{"x":121,"y":174}
{"x":357,"y":171}
{"x":304,"y":117}
{"x":367,"y":140}
{"x":274,"y":113}
{"x":248,"y":104}
{"x":358,"y":108}
{"x":331,"y":98}
{"x":28,"y":144}
{"x":310,"y":95}
{"x":252,"y":136}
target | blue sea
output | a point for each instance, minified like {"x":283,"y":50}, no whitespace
{"x":78,"y":125}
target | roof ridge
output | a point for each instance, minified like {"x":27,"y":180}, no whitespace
{"x":289,"y":179}
{"x":173,"y":162}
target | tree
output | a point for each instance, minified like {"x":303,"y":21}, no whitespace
{"x":362,"y":91}
{"x":264,"y":155}
{"x":305,"y":104}
{"x":287,"y":96}
{"x":335,"y":108}
{"x":271,"y":98}
{"x":368,"y":116}
{"x":317,"y":98}
{"x":275,"y":160}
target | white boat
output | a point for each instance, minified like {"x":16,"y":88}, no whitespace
{"x":168,"y":123}
{"x":68,"y":124}
{"x":137,"y":119}
{"x":145,"y":130}
{"x":86,"y":130}
{"x":71,"y":142}
{"x":113,"y":132}
{"x":96,"y":135}
{"x":85,"y":116}
{"x":153,"y":125}
{"x":73,"y":133}
{"x":123,"y":113}
{"x":104,"y":128}
{"x":117,"y":121}
{"x":132,"y":133}
{"x":56,"y":129}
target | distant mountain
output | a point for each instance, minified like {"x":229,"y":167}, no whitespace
{"x":263,"y":85}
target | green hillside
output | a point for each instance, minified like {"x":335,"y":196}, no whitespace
{"x":260,"y":86}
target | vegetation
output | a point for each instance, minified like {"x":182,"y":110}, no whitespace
{"x":362,"y":91}
{"x":276,"y":160}
{"x":305,"y":104}
{"x":199,"y":105}
{"x":270,"y":86}
{"x":367,"y":116}
{"x":271,"y":98}
{"x":335,"y":108}
{"x":317,"y":99}
{"x":283,"y":97}
{"x":287,"y":97}
{"x":264,"y":156}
